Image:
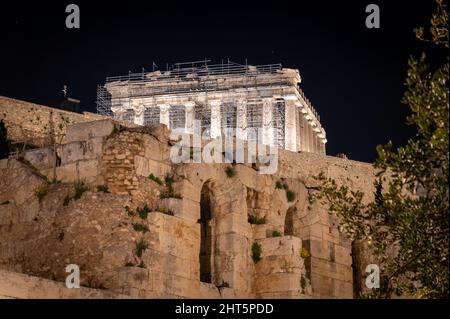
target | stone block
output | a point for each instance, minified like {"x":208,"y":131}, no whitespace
{"x":208,"y":291}
{"x":259,"y":231}
{"x":232,"y":243}
{"x":87,"y":130}
{"x":343,"y":255}
{"x":65,"y":173}
{"x":331,"y":269}
{"x":152,"y":148}
{"x":4,"y":163}
{"x":247,"y":175}
{"x":187,"y":190}
{"x":322,"y":286}
{"x":233,"y":223}
{"x":279,"y":264}
{"x":343,"y":290}
{"x":41,"y":158}
{"x":133,"y":277}
{"x":142,"y":166}
{"x":88,"y":170}
{"x":278,"y":282}
{"x":281,"y":246}
{"x":319,"y":249}
{"x":81,"y":150}
{"x":183,"y":208}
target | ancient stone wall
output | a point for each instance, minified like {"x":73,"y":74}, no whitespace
{"x":14,"y":285}
{"x":34,"y":123}
{"x":158,"y":229}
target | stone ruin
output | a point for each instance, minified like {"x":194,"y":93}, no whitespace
{"x":220,"y":96}
{"x":139,"y":226}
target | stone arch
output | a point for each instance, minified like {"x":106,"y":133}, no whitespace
{"x":229,"y":229}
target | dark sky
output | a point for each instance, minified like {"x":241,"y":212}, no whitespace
{"x":353,"y":75}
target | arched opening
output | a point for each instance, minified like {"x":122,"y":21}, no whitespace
{"x":205,"y":256}
{"x":289,"y":221}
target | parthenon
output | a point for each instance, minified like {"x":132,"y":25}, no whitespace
{"x":220,"y":96}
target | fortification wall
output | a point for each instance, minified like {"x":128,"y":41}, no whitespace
{"x":33,"y":123}
{"x":40,"y":234}
{"x":14,"y":285}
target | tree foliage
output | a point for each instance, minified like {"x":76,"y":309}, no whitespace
{"x":407,"y":221}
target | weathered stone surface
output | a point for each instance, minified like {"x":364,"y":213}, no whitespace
{"x":98,"y":231}
{"x":88,"y":130}
{"x":278,"y":246}
{"x":81,"y":150}
{"x":40,"y":158}
{"x":15,"y":285}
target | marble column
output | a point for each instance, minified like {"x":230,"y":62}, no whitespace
{"x":302,"y":124}
{"x":290,"y":124}
{"x":215,"y":118}
{"x":190,"y":116}
{"x":311,"y":137}
{"x":139,"y":114}
{"x":298,"y":121}
{"x":241,"y":119}
{"x":323,"y":148}
{"x":164,"y":114}
{"x":307,"y":134}
{"x":268,"y":130}
{"x":314,"y":137}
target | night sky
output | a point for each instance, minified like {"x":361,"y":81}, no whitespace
{"x":352,"y":75}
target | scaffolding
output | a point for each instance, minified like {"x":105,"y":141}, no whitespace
{"x":128,"y":115}
{"x":177,"y":116}
{"x":189,"y":70}
{"x":192,"y":77}
{"x":152,"y":116}
{"x":163,"y":95}
{"x":254,"y":119}
{"x":103,"y":101}
{"x":202,"y":113}
{"x":278,"y":118}
{"x":228,"y":118}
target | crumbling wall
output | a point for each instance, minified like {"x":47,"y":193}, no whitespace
{"x":33,"y":123}
{"x":14,"y":285}
{"x":302,"y":252}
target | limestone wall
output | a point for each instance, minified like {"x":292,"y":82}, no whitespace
{"x":14,"y":285}
{"x":33,"y":123}
{"x":39,"y":236}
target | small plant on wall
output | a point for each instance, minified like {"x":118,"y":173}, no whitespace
{"x":170,"y":191}
{"x":102,"y":188}
{"x":304,"y":253}
{"x":276,"y":233}
{"x":254,"y":220}
{"x":230,"y":171}
{"x":290,"y":195}
{"x":256,"y":252}
{"x":141,"y":246}
{"x":143,"y":212}
{"x":303,"y":284}
{"x":41,"y":192}
{"x":156,"y":179}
